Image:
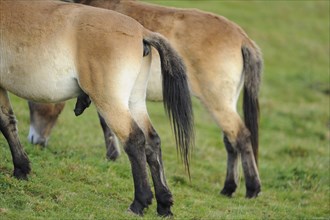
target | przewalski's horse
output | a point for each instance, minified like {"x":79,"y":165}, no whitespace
{"x":53,"y":51}
{"x":43,"y":115}
{"x":220,"y":59}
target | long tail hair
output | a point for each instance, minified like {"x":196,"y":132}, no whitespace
{"x":252,"y":68}
{"x":176,"y":95}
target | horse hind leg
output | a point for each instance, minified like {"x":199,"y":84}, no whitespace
{"x":237,"y":141}
{"x":110,"y":139}
{"x":9,"y":130}
{"x":112,"y":102}
{"x":119,"y":118}
{"x":135,"y":149}
{"x":154,"y":159}
{"x":250,"y":169}
{"x":236,"y":136}
{"x":153,"y":152}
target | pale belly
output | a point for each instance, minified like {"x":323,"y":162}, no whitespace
{"x":48,"y":77}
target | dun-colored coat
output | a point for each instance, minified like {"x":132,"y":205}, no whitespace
{"x":220,"y":60}
{"x":53,"y":51}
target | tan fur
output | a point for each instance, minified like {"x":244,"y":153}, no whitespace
{"x":210,"y":46}
{"x":81,"y":31}
{"x":53,"y":51}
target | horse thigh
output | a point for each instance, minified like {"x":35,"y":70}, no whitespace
{"x":137,"y":99}
{"x":219,"y":92}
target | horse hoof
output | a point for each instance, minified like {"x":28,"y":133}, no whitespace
{"x":20,"y":174}
{"x":229,"y":189}
{"x":22,"y":168}
{"x":253,"y":193}
{"x":164,"y":203}
{"x":253,"y":189}
{"x":136,"y":208}
{"x":112,"y":156}
{"x":227,"y":192}
{"x":164,"y":211}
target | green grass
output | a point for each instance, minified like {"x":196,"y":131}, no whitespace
{"x":71,"y":179}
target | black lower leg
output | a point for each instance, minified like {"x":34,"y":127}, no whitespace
{"x":9,"y":130}
{"x":232,"y":175}
{"x":110,"y":140}
{"x":135,"y":149}
{"x":154,"y":159}
{"x":251,"y":174}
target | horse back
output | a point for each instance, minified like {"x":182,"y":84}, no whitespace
{"x":197,"y":28}
{"x":210,"y":45}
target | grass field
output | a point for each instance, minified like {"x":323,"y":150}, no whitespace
{"x":71,"y":179}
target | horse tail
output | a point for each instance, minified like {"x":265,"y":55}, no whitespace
{"x":252,"y":70}
{"x":176,"y":95}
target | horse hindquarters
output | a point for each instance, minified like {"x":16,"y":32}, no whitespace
{"x":111,"y":90}
{"x":9,"y":130}
{"x":138,"y":110}
{"x":134,"y":118}
{"x":220,"y":87}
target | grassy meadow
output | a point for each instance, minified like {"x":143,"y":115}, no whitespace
{"x":71,"y":178}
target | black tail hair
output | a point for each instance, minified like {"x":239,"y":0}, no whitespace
{"x":252,"y":68}
{"x":176,"y":95}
